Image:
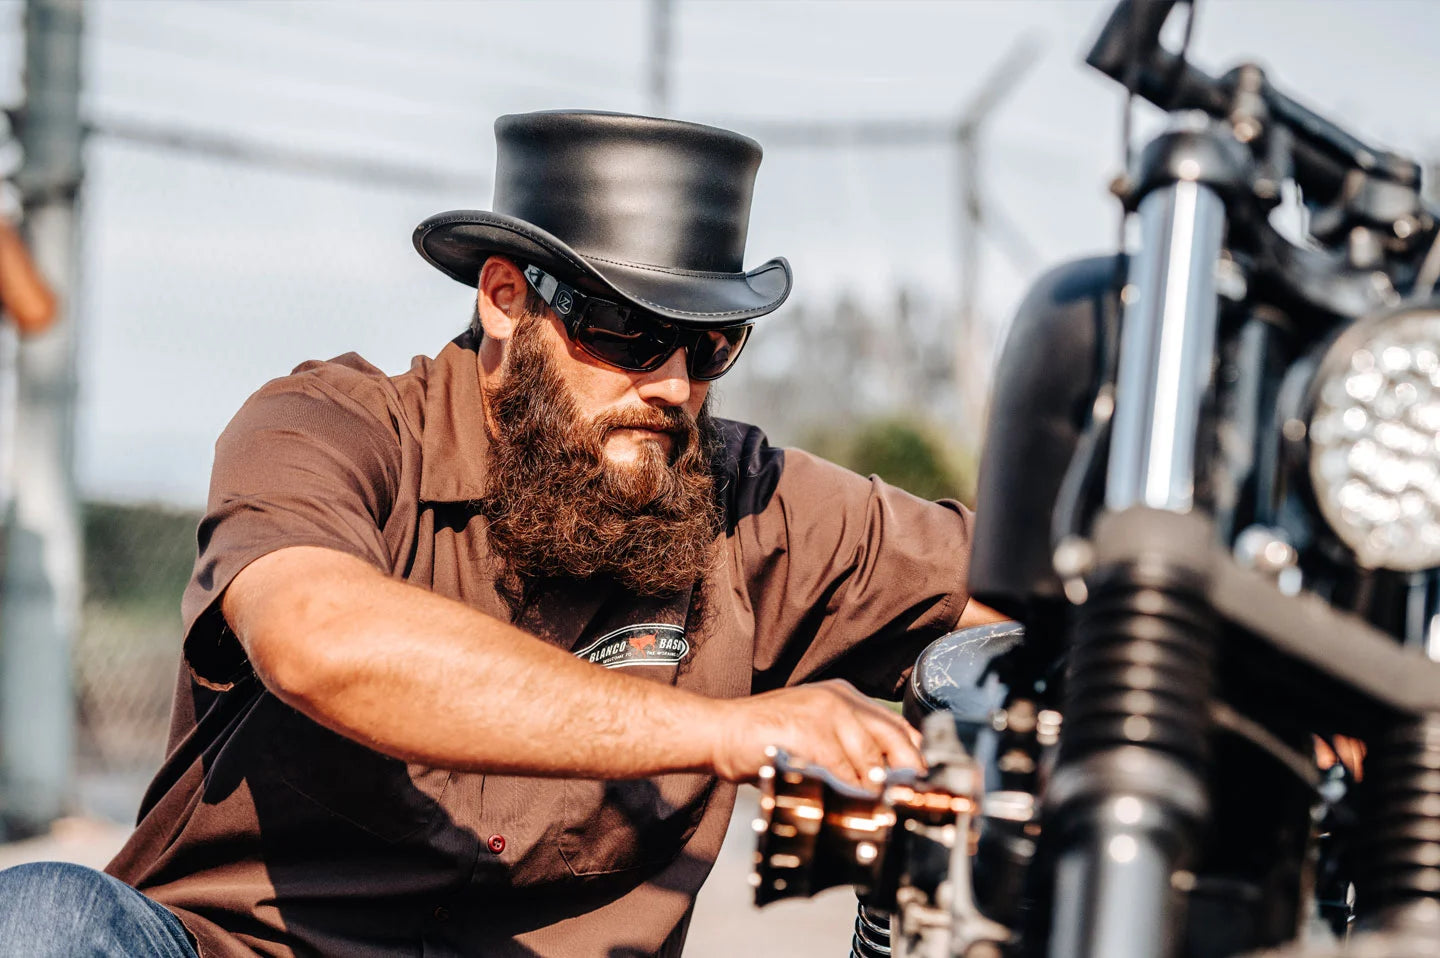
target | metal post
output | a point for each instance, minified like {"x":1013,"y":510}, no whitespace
{"x":972,"y":358}
{"x":40,"y":601}
{"x":660,"y":21}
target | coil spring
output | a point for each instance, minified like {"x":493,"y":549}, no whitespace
{"x":1400,"y":859}
{"x":872,"y":934}
{"x":1140,"y":665}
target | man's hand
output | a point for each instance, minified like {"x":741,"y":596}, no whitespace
{"x":829,"y":724}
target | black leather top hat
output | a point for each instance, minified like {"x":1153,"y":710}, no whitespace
{"x":654,"y":210}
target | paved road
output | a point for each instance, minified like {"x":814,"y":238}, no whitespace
{"x":80,"y":840}
{"x":726,"y":924}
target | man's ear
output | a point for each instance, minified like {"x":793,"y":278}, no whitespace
{"x":500,"y":297}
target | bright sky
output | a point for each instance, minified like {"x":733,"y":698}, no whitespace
{"x":204,"y":278}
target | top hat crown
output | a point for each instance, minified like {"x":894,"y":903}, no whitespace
{"x":654,"y":210}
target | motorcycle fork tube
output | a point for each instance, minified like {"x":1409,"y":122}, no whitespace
{"x":1167,"y":349}
{"x":1128,"y":796}
{"x":1127,"y":801}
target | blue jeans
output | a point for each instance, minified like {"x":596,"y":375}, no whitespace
{"x":54,"y":909}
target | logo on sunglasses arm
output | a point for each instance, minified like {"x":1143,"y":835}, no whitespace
{"x":564,"y":302}
{"x":649,"y":644}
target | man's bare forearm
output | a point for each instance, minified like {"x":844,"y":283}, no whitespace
{"x":430,"y":680}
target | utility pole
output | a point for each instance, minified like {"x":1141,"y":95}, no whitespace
{"x":972,"y":354}
{"x":974,"y":341}
{"x":40,"y":593}
{"x":660,"y":36}
{"x":976,"y":218}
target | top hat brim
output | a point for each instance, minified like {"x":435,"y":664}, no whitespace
{"x":458,"y":242}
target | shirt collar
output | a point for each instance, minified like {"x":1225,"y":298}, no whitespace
{"x":455,"y":444}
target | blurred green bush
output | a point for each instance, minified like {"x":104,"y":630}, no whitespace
{"x":904,"y":451}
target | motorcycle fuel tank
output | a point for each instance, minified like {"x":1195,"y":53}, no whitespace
{"x":1045,"y":387}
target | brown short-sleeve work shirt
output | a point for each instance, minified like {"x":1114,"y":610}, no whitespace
{"x":267,"y":833}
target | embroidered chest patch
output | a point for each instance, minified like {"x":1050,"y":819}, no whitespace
{"x":648,"y":644}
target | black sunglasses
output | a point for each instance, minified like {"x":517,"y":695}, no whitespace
{"x":634,"y":339}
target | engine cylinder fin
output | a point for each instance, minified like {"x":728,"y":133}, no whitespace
{"x":1399,"y":863}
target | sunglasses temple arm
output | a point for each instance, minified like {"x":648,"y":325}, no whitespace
{"x":545,"y":284}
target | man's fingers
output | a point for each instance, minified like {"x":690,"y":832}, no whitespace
{"x":831,"y":724}
{"x":862,"y":751}
{"x":899,"y":743}
{"x":897,"y":740}
{"x":873,"y":710}
{"x":872,"y":742}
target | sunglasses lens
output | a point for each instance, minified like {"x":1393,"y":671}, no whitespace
{"x":625,"y":337}
{"x":716,"y":350}
{"x":636,"y":340}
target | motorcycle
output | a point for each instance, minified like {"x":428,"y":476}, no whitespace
{"x":1210,"y":500}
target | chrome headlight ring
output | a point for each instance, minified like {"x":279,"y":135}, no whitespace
{"x":1374,"y":436}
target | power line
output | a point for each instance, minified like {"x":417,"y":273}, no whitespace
{"x":364,"y":101}
{"x":826,"y":134}
{"x":366,"y":50}
{"x":178,"y":38}
{"x":326,"y":94}
{"x":962,"y":134}
{"x":339,"y":166}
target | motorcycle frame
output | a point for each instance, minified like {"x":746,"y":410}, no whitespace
{"x":1154,"y":443}
{"x":1201,"y":201}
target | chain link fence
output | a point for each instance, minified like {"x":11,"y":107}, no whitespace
{"x":137,"y":561}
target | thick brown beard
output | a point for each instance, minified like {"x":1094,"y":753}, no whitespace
{"x":556,"y":509}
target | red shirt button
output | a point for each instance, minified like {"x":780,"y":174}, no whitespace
{"x":496,"y":843}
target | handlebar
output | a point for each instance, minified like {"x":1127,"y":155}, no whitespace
{"x":1323,"y":154}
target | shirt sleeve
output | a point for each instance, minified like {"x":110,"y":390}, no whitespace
{"x":301,"y":464}
{"x":850,"y":577}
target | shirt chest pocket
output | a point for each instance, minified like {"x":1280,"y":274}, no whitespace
{"x":612,"y":826}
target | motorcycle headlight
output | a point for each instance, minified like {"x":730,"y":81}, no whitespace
{"x":1375,"y":439}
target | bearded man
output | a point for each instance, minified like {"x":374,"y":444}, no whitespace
{"x":477,"y":653}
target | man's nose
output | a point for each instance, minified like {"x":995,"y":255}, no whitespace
{"x":670,"y":384}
